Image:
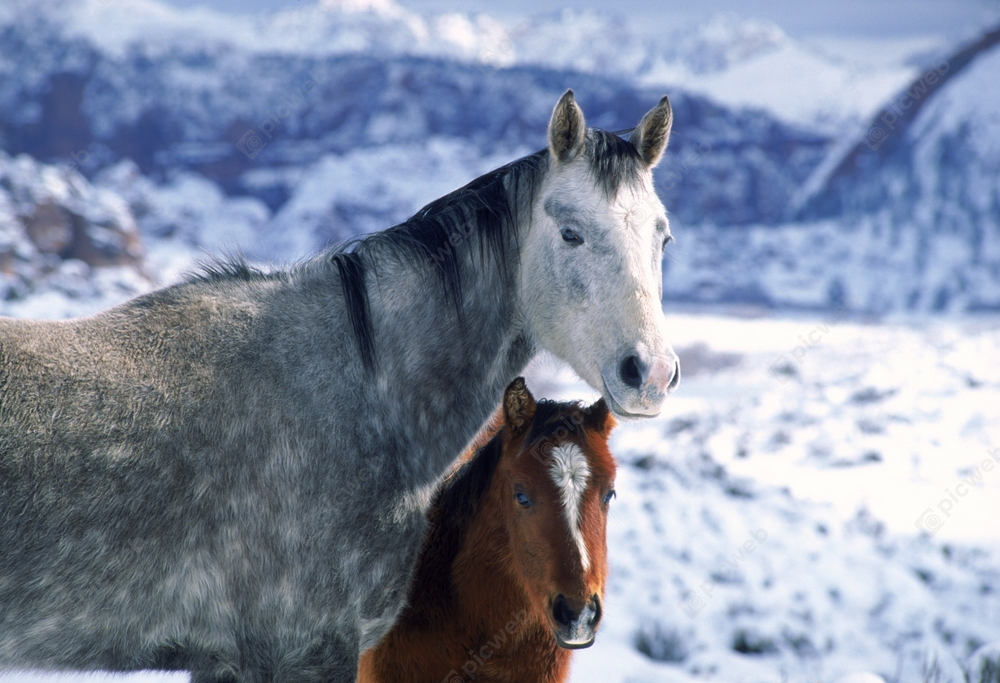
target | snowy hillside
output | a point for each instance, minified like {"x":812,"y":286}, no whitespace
{"x":903,"y":214}
{"x":922,"y":180}
{"x":61,"y":235}
{"x":835,"y":462}
{"x":282,"y":121}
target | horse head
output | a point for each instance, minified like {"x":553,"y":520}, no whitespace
{"x":591,"y":272}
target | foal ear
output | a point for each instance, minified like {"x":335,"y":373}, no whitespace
{"x":566,"y":129}
{"x":518,"y":406}
{"x":650,"y":136}
{"x":598,"y":418}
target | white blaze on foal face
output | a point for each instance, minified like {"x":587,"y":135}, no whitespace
{"x":570,"y":472}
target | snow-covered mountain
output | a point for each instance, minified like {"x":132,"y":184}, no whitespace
{"x":727,"y":59}
{"x":303,"y":114}
{"x":933,"y":140}
{"x":922,"y":182}
{"x":903,"y":213}
{"x":225,"y":109}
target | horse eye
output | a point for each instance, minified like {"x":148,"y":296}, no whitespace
{"x":571,"y":236}
{"x":667,"y":240}
{"x":522,"y":499}
{"x":609,"y":495}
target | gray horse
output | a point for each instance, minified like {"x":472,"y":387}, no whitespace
{"x":230,"y":475}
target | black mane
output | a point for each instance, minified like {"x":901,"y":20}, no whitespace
{"x":437,"y":232}
{"x":457,"y":501}
{"x":232,"y":268}
{"x":613,"y":161}
{"x":485,"y":207}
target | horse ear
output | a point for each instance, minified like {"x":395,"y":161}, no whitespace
{"x":518,"y":406}
{"x":599,"y":419}
{"x":650,"y":136}
{"x":567,"y":128}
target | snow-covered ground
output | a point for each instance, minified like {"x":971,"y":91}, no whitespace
{"x":819,"y":497}
{"x":822,"y":491}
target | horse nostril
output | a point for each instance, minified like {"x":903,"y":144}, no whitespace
{"x":630,"y":371}
{"x":676,"y":379}
{"x":563,"y":613}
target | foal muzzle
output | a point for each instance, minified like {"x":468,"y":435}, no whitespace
{"x":576,"y":629}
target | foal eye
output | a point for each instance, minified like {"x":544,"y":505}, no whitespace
{"x":667,"y":240}
{"x":571,"y":236}
{"x":608,"y":496}
{"x":522,"y":499}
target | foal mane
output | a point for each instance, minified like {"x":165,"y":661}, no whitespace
{"x":460,"y":495}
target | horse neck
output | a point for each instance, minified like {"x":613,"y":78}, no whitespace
{"x":446,"y":366}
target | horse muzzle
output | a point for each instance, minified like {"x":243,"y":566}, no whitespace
{"x":637,"y":385}
{"x":576,"y":629}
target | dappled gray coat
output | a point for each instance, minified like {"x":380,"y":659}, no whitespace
{"x":230,"y":475}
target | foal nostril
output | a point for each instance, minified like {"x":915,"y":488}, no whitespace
{"x":563,"y":613}
{"x":630,"y":371}
{"x":595,"y":604}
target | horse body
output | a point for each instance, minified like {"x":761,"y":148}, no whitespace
{"x":231,"y":475}
{"x":200,"y":444}
{"x":511,"y":574}
{"x":157,"y":496}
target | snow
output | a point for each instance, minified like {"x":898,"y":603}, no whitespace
{"x":963,"y":123}
{"x":747,"y":63}
{"x":799,"y":84}
{"x":833,"y":468}
{"x":819,"y":500}
{"x":867,"y":263}
{"x":794,"y":499}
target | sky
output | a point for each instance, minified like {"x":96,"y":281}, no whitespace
{"x":862,"y":18}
